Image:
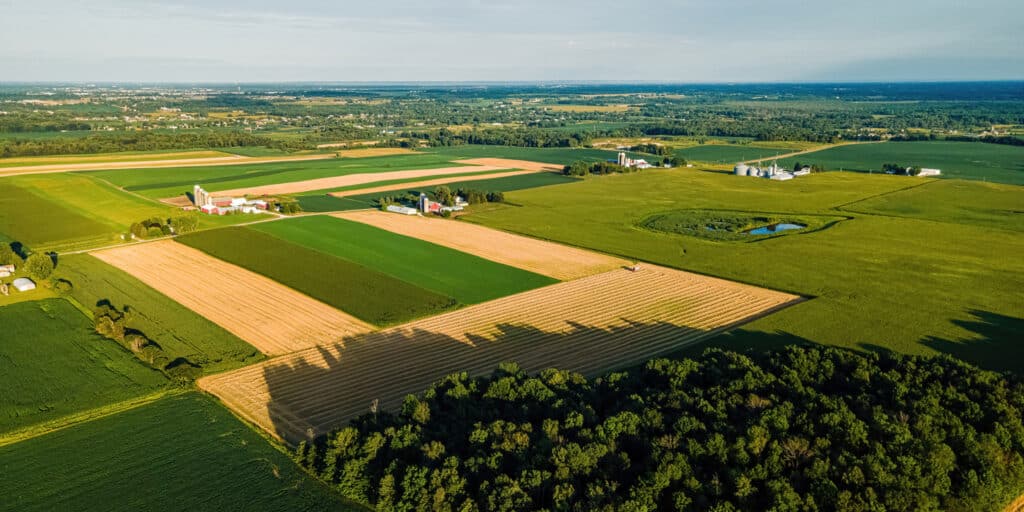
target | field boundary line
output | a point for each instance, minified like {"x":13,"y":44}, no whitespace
{"x":78,"y":418}
{"x":814,"y":150}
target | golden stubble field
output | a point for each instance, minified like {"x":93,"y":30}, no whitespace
{"x":268,"y":315}
{"x":590,"y":325}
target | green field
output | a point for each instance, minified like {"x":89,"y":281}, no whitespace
{"x":876,"y":282}
{"x":37,"y":222}
{"x":170,"y":182}
{"x":970,"y":160}
{"x":179,"y":331}
{"x":365,"y":293}
{"x":562,"y":156}
{"x":964,"y":202}
{"x":126,"y":156}
{"x":182,"y":452}
{"x":467,"y":278}
{"x":53,"y":364}
{"x":727,"y":153}
{"x":326,"y":203}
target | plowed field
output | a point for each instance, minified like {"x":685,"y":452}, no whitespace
{"x":271,"y":317}
{"x":590,"y":325}
{"x":545,"y":258}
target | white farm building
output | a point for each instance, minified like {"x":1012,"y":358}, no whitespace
{"x":24,"y":284}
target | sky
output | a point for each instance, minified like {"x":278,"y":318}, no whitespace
{"x":688,"y":41}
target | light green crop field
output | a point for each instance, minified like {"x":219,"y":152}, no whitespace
{"x":175,"y":181}
{"x":127,"y":156}
{"x":35,"y":221}
{"x":964,"y":202}
{"x":182,"y":452}
{"x":729,"y":154}
{"x":969,"y":160}
{"x":467,"y":278}
{"x":178,"y":330}
{"x":877,"y":282}
{"x":361,"y":291}
{"x":55,"y":365}
{"x":562,"y":156}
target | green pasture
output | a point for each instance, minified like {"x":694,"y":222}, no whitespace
{"x":182,"y":452}
{"x":363,"y":292}
{"x":326,"y":203}
{"x":467,"y":278}
{"x":876,"y":282}
{"x":178,"y":330}
{"x":170,"y":182}
{"x":968,"y":160}
{"x":728,"y":154}
{"x":53,"y":364}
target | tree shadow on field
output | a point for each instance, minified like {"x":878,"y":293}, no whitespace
{"x":325,"y":387}
{"x":999,"y":345}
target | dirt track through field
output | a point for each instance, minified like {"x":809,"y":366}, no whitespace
{"x":349,"y":180}
{"x":428,"y":183}
{"x":270,"y":316}
{"x":591,"y":325}
{"x":547,"y":258}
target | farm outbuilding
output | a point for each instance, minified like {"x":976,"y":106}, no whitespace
{"x":24,"y":284}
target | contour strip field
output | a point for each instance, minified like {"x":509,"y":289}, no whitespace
{"x":268,"y":315}
{"x":590,"y":325}
{"x":546,"y":258}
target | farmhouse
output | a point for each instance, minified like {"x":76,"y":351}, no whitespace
{"x":24,"y":284}
{"x":224,"y":205}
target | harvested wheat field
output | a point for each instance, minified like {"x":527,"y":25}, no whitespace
{"x":590,"y":325}
{"x":508,"y":163}
{"x":546,"y":258}
{"x":428,"y":183}
{"x":349,"y":180}
{"x":271,"y":317}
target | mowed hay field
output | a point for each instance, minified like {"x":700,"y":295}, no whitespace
{"x":182,"y":452}
{"x":468,"y":279}
{"x":590,"y":325}
{"x":52,"y":364}
{"x":179,"y":331}
{"x":968,"y":160}
{"x":269,"y":316}
{"x":939,"y":283}
{"x":176,"y":181}
{"x":367,"y":294}
{"x":545,"y":258}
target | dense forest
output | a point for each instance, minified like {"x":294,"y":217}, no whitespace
{"x":797,"y":429}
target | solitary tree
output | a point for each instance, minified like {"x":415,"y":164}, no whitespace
{"x":39,"y":265}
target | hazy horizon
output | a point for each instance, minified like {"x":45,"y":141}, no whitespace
{"x":401,"y":41}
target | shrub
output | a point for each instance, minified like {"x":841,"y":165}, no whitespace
{"x":154,"y":232}
{"x":62,"y":286}
{"x":7,"y":255}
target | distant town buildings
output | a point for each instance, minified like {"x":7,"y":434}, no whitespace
{"x":224,"y":205}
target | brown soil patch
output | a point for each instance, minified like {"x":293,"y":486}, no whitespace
{"x":349,"y":180}
{"x":428,"y":183}
{"x":548,"y":258}
{"x":271,"y":317}
{"x":507,"y":163}
{"x":591,"y":325}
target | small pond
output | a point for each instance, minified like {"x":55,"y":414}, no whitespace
{"x":775,"y":228}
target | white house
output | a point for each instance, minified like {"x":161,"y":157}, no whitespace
{"x":24,"y":284}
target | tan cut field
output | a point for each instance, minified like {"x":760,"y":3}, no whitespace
{"x":349,"y":180}
{"x":547,"y":258}
{"x":428,"y":183}
{"x":591,"y":325}
{"x":270,"y":316}
{"x":508,"y":163}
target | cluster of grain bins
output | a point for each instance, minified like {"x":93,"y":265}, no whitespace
{"x":772,"y":172}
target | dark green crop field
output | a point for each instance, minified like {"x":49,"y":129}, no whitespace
{"x":53,"y":364}
{"x":169,"y":182}
{"x":182,"y":452}
{"x":469,"y":279}
{"x":728,"y":154}
{"x":562,"y":156}
{"x":178,"y":330}
{"x":326,"y":203}
{"x":939,"y":282}
{"x":361,"y":291}
{"x":968,"y":160}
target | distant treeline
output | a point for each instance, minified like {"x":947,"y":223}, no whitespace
{"x":796,"y":429}
{"x":140,"y":141}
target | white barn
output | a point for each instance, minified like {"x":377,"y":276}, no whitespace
{"x":24,"y":284}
